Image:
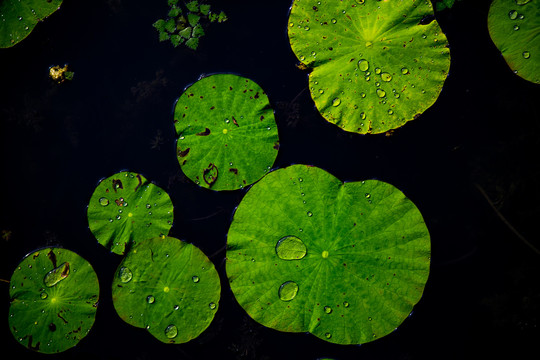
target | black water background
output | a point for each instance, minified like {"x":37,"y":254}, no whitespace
{"x":482,"y":298}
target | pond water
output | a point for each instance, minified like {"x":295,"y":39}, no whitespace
{"x":480,"y":137}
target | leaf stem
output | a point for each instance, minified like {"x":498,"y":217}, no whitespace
{"x":506,"y":222}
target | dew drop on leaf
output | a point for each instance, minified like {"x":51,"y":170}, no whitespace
{"x":171,"y":331}
{"x":290,"y":248}
{"x":288,"y":290}
{"x":125,"y":275}
{"x":56,"y":275}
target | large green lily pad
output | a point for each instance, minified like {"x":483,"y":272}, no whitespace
{"x":514,"y":26}
{"x":375,"y":64}
{"x":18,"y":18}
{"x":344,"y":261}
{"x":126,"y":208}
{"x":228,"y":137}
{"x":168,"y":287}
{"x":54,"y":295}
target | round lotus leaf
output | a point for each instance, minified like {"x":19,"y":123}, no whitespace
{"x":514,"y":26}
{"x":126,"y":208}
{"x":343,"y":261}
{"x":228,"y":137}
{"x":18,"y":18}
{"x":54,"y":295}
{"x":168,"y":287}
{"x":375,"y":64}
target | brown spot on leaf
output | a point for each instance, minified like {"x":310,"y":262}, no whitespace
{"x":117,"y":184}
{"x":206,"y":132}
{"x":234,"y":121}
{"x":183,"y":153}
{"x":276,"y":146}
{"x":233,"y":170}
{"x":210,"y":174}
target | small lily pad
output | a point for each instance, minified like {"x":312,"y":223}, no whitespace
{"x":54,"y":295}
{"x":168,"y":287}
{"x":375,"y":64}
{"x":126,"y":208}
{"x":514,"y":26}
{"x":344,"y":261}
{"x":228,"y":137}
{"x":18,"y":18}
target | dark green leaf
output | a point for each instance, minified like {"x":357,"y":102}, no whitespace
{"x":54,"y":295}
{"x":193,"y":43}
{"x":228,"y":137}
{"x":18,"y":18}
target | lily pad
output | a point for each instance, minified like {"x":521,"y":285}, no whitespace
{"x":18,"y":18}
{"x":126,"y":208}
{"x":375,"y":64}
{"x":514,"y":26}
{"x":228,"y":137}
{"x":168,"y":287}
{"x":54,"y":295}
{"x":344,"y":261}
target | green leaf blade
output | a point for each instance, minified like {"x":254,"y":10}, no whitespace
{"x":227,"y":133}
{"x":18,"y":19}
{"x":514,"y":30}
{"x":366,"y":261}
{"x":173,"y":289}
{"x":408,"y":62}
{"x":51,"y":317}
{"x":126,"y":208}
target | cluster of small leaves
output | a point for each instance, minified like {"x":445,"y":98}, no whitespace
{"x":441,"y":5}
{"x":185,"y":26}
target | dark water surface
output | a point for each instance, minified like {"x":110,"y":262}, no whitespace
{"x":482,"y":299}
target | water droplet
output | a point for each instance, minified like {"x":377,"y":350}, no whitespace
{"x":390,"y":112}
{"x":150,"y":299}
{"x":288,"y":290}
{"x":306,"y":28}
{"x":309,"y":213}
{"x":381,"y":93}
{"x":363,"y":95}
{"x":346,"y":304}
{"x":369,"y":318}
{"x":171,"y":331}
{"x":363,"y":65}
{"x":148,"y":206}
{"x":328,"y":309}
{"x":334,"y":21}
{"x":516,"y":28}
{"x":118,"y":217}
{"x":386,"y":77}
{"x":125,"y":275}
{"x":522,"y":2}
{"x":176,"y":307}
{"x":336,"y":102}
{"x":513,"y":14}
{"x":377,"y":71}
{"x":103,"y":201}
{"x":56,"y":275}
{"x":20,"y":18}
{"x":195,"y":279}
{"x":368,"y":195}
{"x":43,"y":295}
{"x":212,"y":306}
{"x":363,"y":116}
{"x":328,"y":335}
{"x":321,"y":91}
{"x":526,"y":54}
{"x":404,"y":71}
{"x":290,"y":248}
